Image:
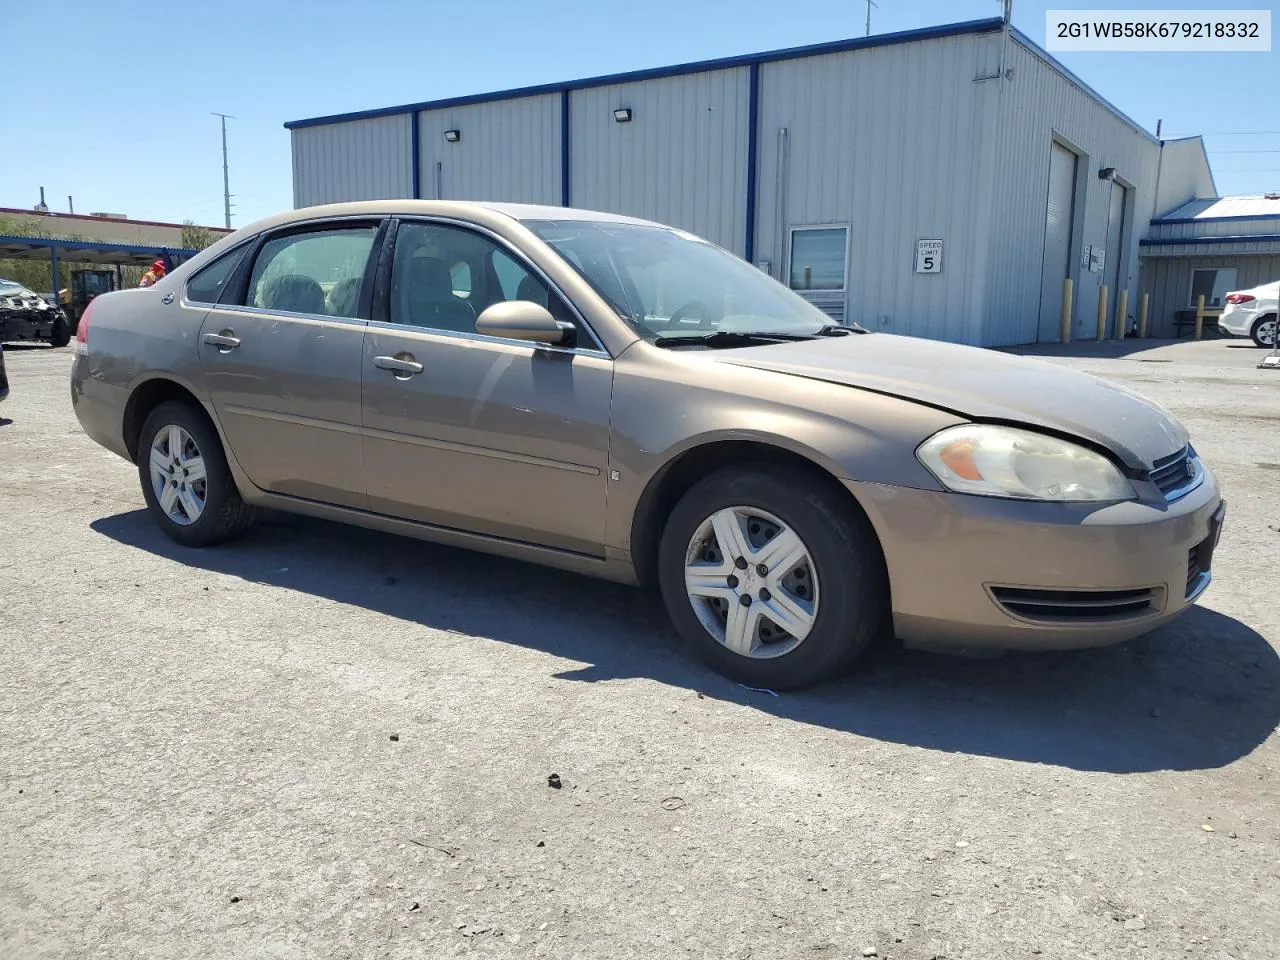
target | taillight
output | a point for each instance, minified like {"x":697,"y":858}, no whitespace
{"x":82,"y":328}
{"x":1240,"y":298}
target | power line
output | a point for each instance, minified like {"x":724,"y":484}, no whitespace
{"x":1267,"y":150}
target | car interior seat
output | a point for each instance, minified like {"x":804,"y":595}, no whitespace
{"x":431,"y":301}
{"x":344,"y":297}
{"x":295,"y":293}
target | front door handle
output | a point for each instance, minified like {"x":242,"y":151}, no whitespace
{"x":226,"y":341}
{"x":402,"y":365}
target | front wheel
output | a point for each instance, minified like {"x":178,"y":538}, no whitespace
{"x":775,"y":580}
{"x":1263,"y":333}
{"x":60,"y":335}
{"x":185,"y":478}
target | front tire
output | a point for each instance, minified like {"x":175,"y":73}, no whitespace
{"x":1263,"y":332}
{"x":774,"y":579}
{"x":60,"y":335}
{"x":185,"y":478}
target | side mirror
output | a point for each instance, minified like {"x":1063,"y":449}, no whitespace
{"x":523,"y":320}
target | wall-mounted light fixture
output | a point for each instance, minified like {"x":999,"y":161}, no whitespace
{"x":1107,"y":173}
{"x":453,"y":136}
{"x":622,"y":115}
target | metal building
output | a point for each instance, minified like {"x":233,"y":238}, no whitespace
{"x":1209,"y":248}
{"x":939,"y":183}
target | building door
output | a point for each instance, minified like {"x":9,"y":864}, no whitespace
{"x":1058,"y":222}
{"x":1115,"y":247}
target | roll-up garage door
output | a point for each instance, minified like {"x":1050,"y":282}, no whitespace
{"x":1058,"y":220}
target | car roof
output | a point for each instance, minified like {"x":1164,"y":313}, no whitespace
{"x":466,"y":209}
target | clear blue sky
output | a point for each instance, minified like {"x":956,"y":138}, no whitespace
{"x":114,"y":102}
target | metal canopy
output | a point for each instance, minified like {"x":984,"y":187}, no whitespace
{"x":90,"y":251}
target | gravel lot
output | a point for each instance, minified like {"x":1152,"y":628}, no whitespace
{"x":321,"y":742}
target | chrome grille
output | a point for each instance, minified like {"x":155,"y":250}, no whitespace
{"x":1177,"y":474}
{"x":1076,"y":606}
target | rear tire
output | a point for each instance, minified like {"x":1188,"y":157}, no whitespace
{"x":1263,"y":332}
{"x":60,"y":335}
{"x":193,"y":512}
{"x":842,"y":574}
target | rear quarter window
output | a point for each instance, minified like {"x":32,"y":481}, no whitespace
{"x":208,"y":283}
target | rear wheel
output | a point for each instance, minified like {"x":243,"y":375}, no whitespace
{"x":773,"y":579}
{"x":185,"y":478}
{"x":1264,"y":331}
{"x":60,"y":335}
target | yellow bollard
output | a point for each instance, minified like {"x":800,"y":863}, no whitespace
{"x":1142,"y":315}
{"x":1102,"y":312}
{"x":1200,"y":316}
{"x":1066,"y":310}
{"x":1122,"y":315}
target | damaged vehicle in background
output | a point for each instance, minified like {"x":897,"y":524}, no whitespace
{"x":25,"y":315}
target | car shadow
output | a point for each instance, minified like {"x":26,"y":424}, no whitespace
{"x":1199,"y":693}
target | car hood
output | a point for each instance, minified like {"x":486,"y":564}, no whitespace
{"x":981,"y":385}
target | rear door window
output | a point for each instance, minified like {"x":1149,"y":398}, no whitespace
{"x":319,"y":272}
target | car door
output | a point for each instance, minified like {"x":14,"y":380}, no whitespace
{"x":281,"y":358}
{"x":500,"y":437}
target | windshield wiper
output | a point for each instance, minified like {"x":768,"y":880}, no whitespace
{"x":730,"y":338}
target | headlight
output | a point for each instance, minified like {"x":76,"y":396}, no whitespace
{"x":996,"y":461}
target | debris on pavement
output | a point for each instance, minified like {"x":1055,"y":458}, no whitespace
{"x":772,"y":693}
{"x":553,"y":781}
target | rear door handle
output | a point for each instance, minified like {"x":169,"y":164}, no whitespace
{"x":403,"y":366}
{"x":225,"y":341}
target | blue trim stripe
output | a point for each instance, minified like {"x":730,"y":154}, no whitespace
{"x":564,"y":147}
{"x":1191,"y":241}
{"x":415,"y":152}
{"x":753,"y":146}
{"x":989,"y":25}
{"x":53,"y":243}
{"x":1244,"y":218}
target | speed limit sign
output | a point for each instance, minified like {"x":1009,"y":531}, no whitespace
{"x":928,"y":256}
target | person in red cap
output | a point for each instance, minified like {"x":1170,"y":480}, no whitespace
{"x":154,"y":275}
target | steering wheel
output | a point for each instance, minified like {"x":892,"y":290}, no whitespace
{"x":694,"y":308}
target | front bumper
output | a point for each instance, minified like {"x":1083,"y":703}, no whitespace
{"x":18,"y":325}
{"x":954,"y":561}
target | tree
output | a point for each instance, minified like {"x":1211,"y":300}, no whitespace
{"x":195,"y":237}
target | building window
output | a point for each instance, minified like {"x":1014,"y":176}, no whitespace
{"x":1215,"y":284}
{"x":818,"y":258}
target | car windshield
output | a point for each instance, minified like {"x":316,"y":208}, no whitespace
{"x":10,"y":289}
{"x":667,"y":283}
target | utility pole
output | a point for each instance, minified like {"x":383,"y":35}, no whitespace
{"x":870,"y":4}
{"x":226,"y":181}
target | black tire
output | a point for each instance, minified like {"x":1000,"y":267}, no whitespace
{"x":225,"y":514}
{"x":60,"y":335}
{"x":853,"y":607}
{"x":1255,"y":334}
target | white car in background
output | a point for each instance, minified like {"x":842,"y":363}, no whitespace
{"x":1252,"y":313}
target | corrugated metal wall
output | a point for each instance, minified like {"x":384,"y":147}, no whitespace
{"x":355,"y":160}
{"x":681,"y":160}
{"x":886,"y":140}
{"x":1040,"y":103}
{"x":1184,"y":175}
{"x":1168,"y":280}
{"x":509,"y":150}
